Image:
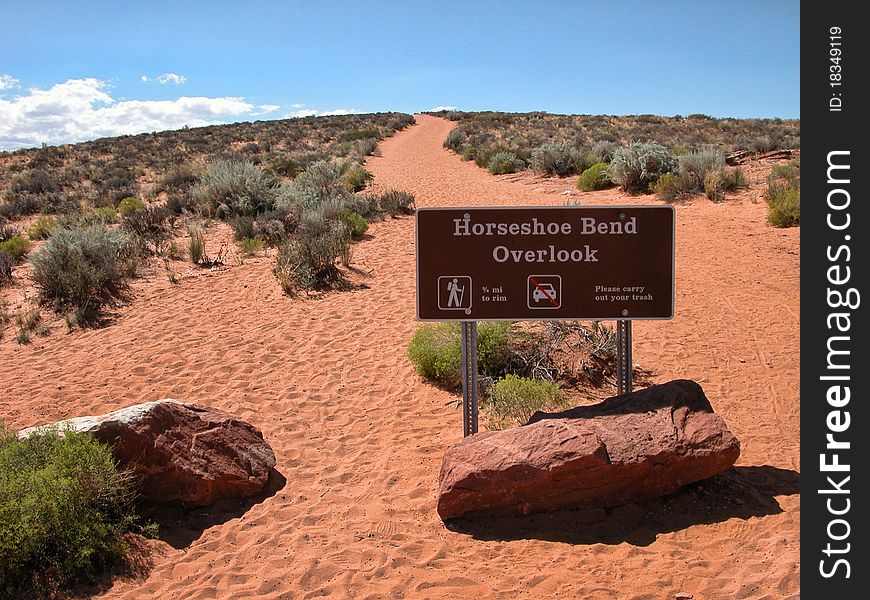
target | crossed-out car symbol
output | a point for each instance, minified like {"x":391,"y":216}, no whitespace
{"x":544,"y":291}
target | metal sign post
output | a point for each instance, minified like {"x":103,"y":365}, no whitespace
{"x":469,"y":378}
{"x":624,"y":367}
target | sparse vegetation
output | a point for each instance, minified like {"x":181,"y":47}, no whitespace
{"x":394,"y":202}
{"x":41,"y":228}
{"x":555,"y":158}
{"x":64,"y":509}
{"x":504,"y":162}
{"x":783,"y":195}
{"x":15,"y":248}
{"x":637,"y":166}
{"x":594,"y":138}
{"x":79,"y":269}
{"x":512,"y":400}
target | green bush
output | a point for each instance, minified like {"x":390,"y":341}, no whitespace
{"x":249,"y":247}
{"x":454,"y":140}
{"x":554,"y":159}
{"x":41,"y":228}
{"x":594,"y":178}
{"x":16,"y":248}
{"x":356,"y":178}
{"x":229,"y":188}
{"x":734,"y":179}
{"x":672,"y":187}
{"x":512,"y":400}
{"x":243,"y":227}
{"x":783,"y":195}
{"x":637,"y":166}
{"x":130,"y":205}
{"x":355,"y":223}
{"x":81,"y":268}
{"x":64,"y":507}
{"x":714,"y":185}
{"x":784,"y":206}
{"x":196,"y":244}
{"x":504,"y":162}
{"x":436,"y":349}
{"x":103,"y":215}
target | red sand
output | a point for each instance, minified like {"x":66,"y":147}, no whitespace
{"x":359,"y":437}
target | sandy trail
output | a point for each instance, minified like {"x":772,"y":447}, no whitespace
{"x":359,"y":437}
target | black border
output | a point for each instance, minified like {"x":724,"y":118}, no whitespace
{"x":825,"y":131}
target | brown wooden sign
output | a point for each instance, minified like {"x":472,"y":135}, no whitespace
{"x":545,"y":263}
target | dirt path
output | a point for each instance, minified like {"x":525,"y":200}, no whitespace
{"x":359,"y":437}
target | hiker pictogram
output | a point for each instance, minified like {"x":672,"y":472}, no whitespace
{"x":454,"y":292}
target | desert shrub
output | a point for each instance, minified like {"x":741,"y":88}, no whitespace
{"x":356,"y":224}
{"x":284,"y":165}
{"x":6,"y":267}
{"x":604,"y":150}
{"x":504,"y":162}
{"x":694,"y":166}
{"x":242,"y":226}
{"x":178,"y":203}
{"x":130,"y":205}
{"x":394,"y":202}
{"x":80,"y":268}
{"x":152,"y":225}
{"x":365,"y":205}
{"x":7,"y":233}
{"x":308,"y":261}
{"x":250,"y":246}
{"x":323,"y":181}
{"x":436,"y":351}
{"x":16,"y":248}
{"x":734,"y":179}
{"x":41,"y":228}
{"x":594,"y":178}
{"x":784,"y":206}
{"x":554,"y":159}
{"x":637,"y":166}
{"x":672,"y":187}
{"x":714,"y":185}
{"x":196,"y":244}
{"x":229,"y":188}
{"x":455,"y":140}
{"x":274,"y":226}
{"x":358,"y":134}
{"x":103,"y":215}
{"x":64,"y":507}
{"x":356,"y":178}
{"x":20,"y":205}
{"x":179,"y":179}
{"x":366,"y":147}
{"x":512,"y":400}
{"x":783,"y":195}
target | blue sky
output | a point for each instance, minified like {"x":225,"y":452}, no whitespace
{"x":79,"y":69}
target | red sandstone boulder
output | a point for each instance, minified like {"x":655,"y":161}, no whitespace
{"x":184,"y":453}
{"x":629,"y":448}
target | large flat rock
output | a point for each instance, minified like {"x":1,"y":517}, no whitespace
{"x":629,"y":448}
{"x":183,"y":453}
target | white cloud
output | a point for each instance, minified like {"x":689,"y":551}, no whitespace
{"x":264,"y":109}
{"x":171,"y":78}
{"x":82,"y":109}
{"x":144,"y":78}
{"x":8,"y":82}
{"x":301,"y":111}
{"x":440,"y":108}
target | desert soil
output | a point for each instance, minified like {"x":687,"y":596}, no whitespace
{"x":359,"y":436}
